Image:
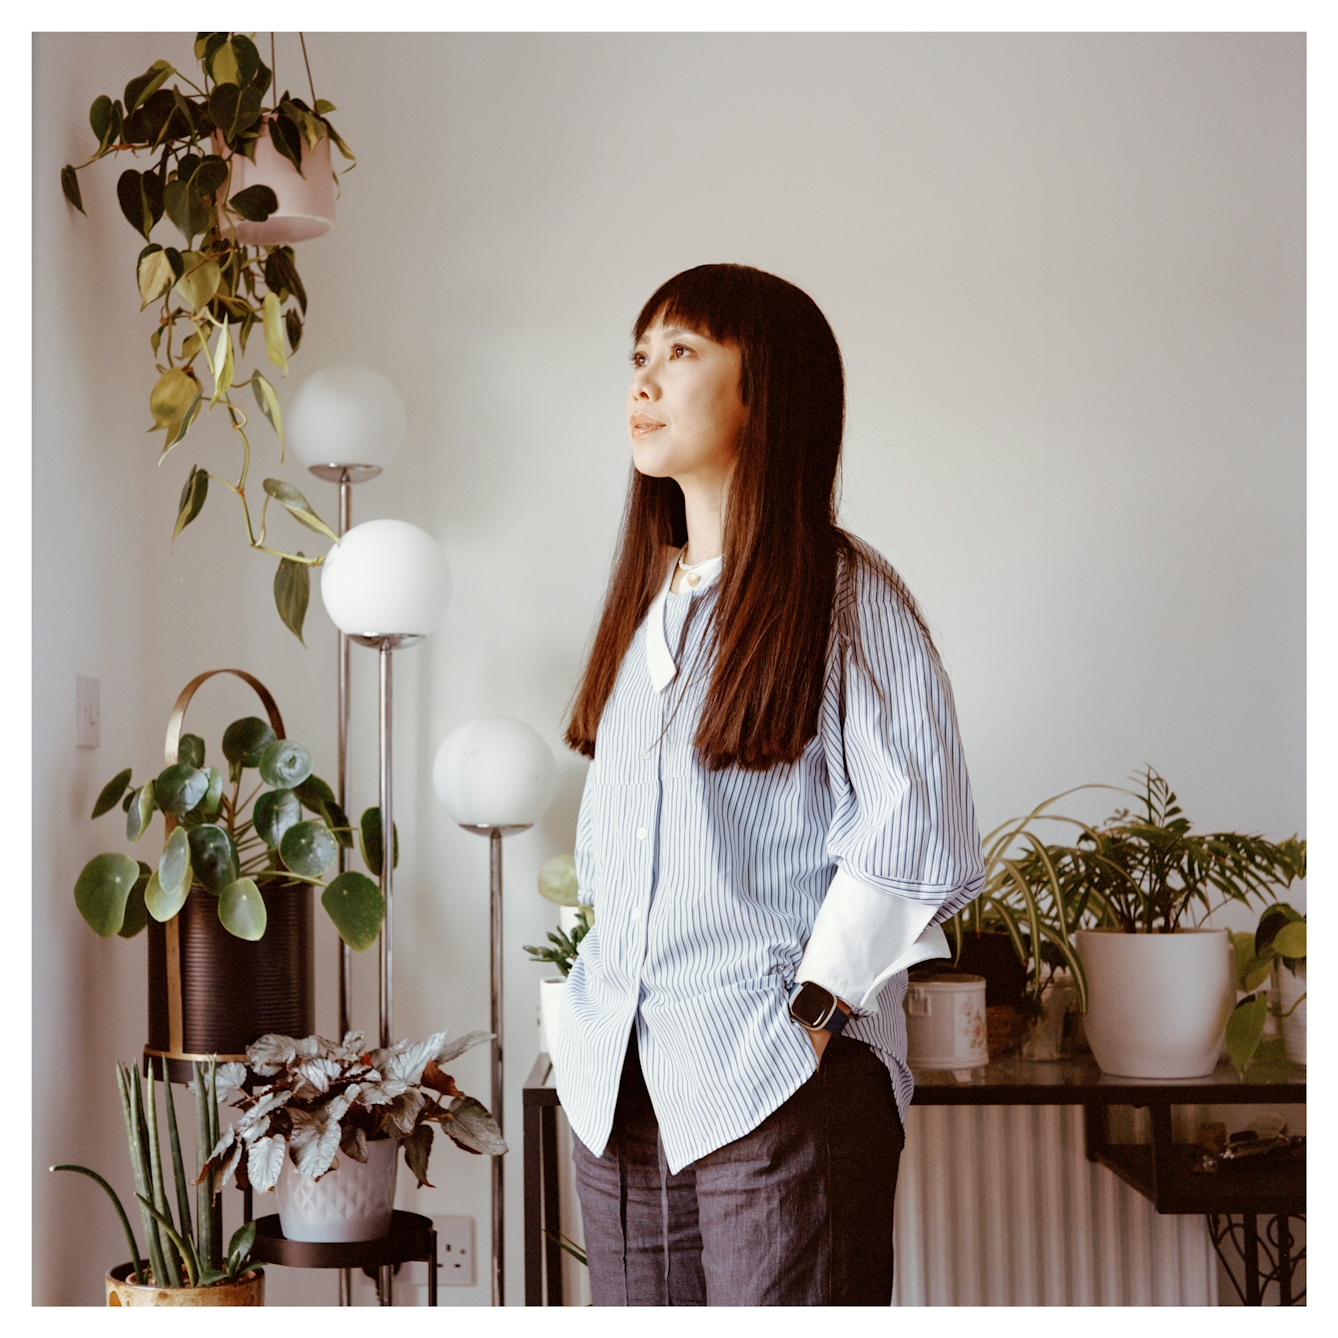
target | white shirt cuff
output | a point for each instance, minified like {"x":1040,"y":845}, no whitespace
{"x":862,"y":936}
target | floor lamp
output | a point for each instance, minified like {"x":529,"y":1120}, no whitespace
{"x":386,"y":584}
{"x":495,"y":776}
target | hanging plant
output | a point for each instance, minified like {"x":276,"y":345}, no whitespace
{"x":212,"y":292}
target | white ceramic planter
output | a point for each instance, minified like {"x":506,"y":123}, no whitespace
{"x":1157,"y":1003}
{"x":306,"y":202}
{"x":550,"y":1000}
{"x":1286,"y":990}
{"x":353,"y":1202}
{"x":945,"y":1022}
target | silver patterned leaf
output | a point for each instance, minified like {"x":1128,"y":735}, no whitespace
{"x":318,"y":1072}
{"x":313,"y":1147}
{"x":230,"y":1078}
{"x":466,"y":1042}
{"x":264,"y":1161}
{"x":470,"y":1125}
{"x":403,"y":1112}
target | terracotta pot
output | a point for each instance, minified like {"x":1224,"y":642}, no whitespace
{"x":249,"y":1289}
{"x":1157,"y":1004}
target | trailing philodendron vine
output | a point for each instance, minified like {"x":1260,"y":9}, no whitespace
{"x":211,"y":293}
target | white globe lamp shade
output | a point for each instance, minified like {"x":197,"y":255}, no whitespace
{"x":386,"y":578}
{"x":494,"y":772}
{"x":346,"y":414}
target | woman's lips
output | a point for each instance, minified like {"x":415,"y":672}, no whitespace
{"x":642,"y":427}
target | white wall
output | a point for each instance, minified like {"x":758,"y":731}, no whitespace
{"x":1067,"y":278}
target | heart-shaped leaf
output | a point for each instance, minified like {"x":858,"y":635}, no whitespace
{"x":154,"y":275}
{"x":356,"y":908}
{"x":139,"y":812}
{"x":213,"y":857}
{"x":274,"y":813}
{"x":298,"y":507}
{"x":193,"y":495}
{"x":1289,"y":941}
{"x":69,"y":184}
{"x":148,"y":83}
{"x":308,"y":848}
{"x":140,"y":195}
{"x":179,"y":788}
{"x":222,"y":363}
{"x":287,"y":138}
{"x":1244,"y":1029}
{"x":224,"y":101}
{"x":175,"y":434}
{"x":285,"y":764}
{"x":292,"y":594}
{"x":136,"y":912}
{"x":243,"y":742}
{"x":190,"y":750}
{"x":102,"y":890}
{"x":171,"y":396}
{"x":223,"y":67}
{"x":199,"y":280}
{"x":274,"y":335}
{"x":111,"y":793}
{"x":282,"y":277}
{"x":186,"y":209}
{"x":370,"y":831}
{"x":255,"y":203}
{"x":100,"y":118}
{"x":241,"y":909}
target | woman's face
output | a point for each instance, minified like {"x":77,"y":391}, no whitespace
{"x":684,"y":407}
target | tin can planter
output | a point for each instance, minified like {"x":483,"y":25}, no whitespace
{"x":249,"y":1289}
{"x":1288,"y":987}
{"x":945,"y":1022}
{"x":355,"y":1201}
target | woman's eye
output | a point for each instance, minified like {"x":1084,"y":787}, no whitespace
{"x":680,"y":349}
{"x":638,"y":359}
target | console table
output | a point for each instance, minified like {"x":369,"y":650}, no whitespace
{"x":1161,"y":1171}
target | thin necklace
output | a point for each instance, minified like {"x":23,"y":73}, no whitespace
{"x":692,"y":574}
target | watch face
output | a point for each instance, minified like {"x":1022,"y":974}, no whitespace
{"x":813,"y":1005}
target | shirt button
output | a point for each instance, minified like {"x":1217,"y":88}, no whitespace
{"x":640,"y":833}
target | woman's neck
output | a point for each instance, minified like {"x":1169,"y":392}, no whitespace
{"x":704,"y":505}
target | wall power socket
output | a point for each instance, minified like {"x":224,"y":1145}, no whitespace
{"x":455,"y":1251}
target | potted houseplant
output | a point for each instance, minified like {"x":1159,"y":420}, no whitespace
{"x":238,"y":169}
{"x":187,"y":1264}
{"x":557,"y":883}
{"x":228,"y":901}
{"x":1159,"y":989}
{"x":327,"y":1128}
{"x":1276,"y":951}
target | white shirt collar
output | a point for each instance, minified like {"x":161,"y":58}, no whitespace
{"x":659,"y":661}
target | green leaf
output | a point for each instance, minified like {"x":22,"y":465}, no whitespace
{"x":136,"y":912}
{"x":340,"y":145}
{"x":221,"y":362}
{"x":241,"y":909}
{"x":338,"y":822}
{"x":292,"y":324}
{"x":171,"y":396}
{"x":287,"y":138}
{"x":224,"y":103}
{"x":356,"y":908}
{"x":148,"y":83}
{"x":140,"y":195}
{"x":161,"y":904}
{"x":154,"y":275}
{"x":139,"y":812}
{"x":248,"y":58}
{"x":274,"y":813}
{"x":69,"y":183}
{"x":192,"y":498}
{"x":417,"y":1149}
{"x":267,"y":399}
{"x":186,"y":209}
{"x":1244,"y":1029}
{"x":179,"y":788}
{"x":243,"y":742}
{"x":210,"y":803}
{"x":213,"y":857}
{"x":102,"y":890}
{"x":175,"y":434}
{"x":174,"y":868}
{"x":199,"y":281}
{"x":314,"y":793}
{"x":282,"y":277}
{"x":274,"y":339}
{"x":240,"y":1246}
{"x":1258,"y":971}
{"x":292,"y":593}
{"x":255,"y":203}
{"x":100,"y":118}
{"x":370,"y":832}
{"x":1289,"y":941}
{"x":322,"y":107}
{"x":311,"y":127}
{"x":557,"y":880}
{"x":308,"y":848}
{"x":285,"y":764}
{"x":473,"y":1128}
{"x":298,"y":507}
{"x":223,"y":68}
{"x":190,"y":749}
{"x":110,"y":794}
{"x":209,"y":175}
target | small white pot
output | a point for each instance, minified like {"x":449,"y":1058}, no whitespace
{"x":568,"y":918}
{"x":550,"y":1000}
{"x":355,"y":1201}
{"x":1157,"y":1004}
{"x":306,"y":200}
{"x":945,"y":1022}
{"x":1287,"y":989}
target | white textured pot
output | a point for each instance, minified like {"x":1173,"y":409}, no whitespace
{"x":353,"y":1202}
{"x":945,"y":1022}
{"x":1157,"y":1004}
{"x":550,"y":1000}
{"x":1287,"y":989}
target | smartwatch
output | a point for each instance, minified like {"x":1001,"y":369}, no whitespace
{"x":815,"y":1007}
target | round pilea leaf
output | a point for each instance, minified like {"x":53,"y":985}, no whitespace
{"x":313,"y":792}
{"x":111,"y":793}
{"x":355,"y":904}
{"x":213,"y":857}
{"x":274,"y":813}
{"x":174,"y":871}
{"x":308,"y":848}
{"x":244,"y":740}
{"x":161,"y":903}
{"x":191,"y":751}
{"x":180,"y":787}
{"x":210,"y":803}
{"x":285,"y":764}
{"x":241,"y":909}
{"x":102,"y":890}
{"x":136,"y":912}
{"x":138,"y":811}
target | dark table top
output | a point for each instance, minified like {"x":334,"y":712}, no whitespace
{"x":1012,"y":1081}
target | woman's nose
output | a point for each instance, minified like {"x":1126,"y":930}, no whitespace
{"x":643,"y":385}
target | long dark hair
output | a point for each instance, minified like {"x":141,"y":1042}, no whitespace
{"x":778,"y":605}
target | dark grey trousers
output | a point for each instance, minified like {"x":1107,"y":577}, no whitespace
{"x":798,"y":1212}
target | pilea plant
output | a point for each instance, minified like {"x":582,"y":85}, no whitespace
{"x":212,"y":292}
{"x":324,"y":1100}
{"x":212,"y":844}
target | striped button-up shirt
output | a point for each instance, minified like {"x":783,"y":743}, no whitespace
{"x":714,"y":891}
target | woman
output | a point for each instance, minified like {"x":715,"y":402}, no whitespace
{"x":776,"y":819}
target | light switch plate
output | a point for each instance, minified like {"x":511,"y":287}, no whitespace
{"x":88,"y":708}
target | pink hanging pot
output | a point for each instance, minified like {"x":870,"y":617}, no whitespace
{"x":306,"y":200}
